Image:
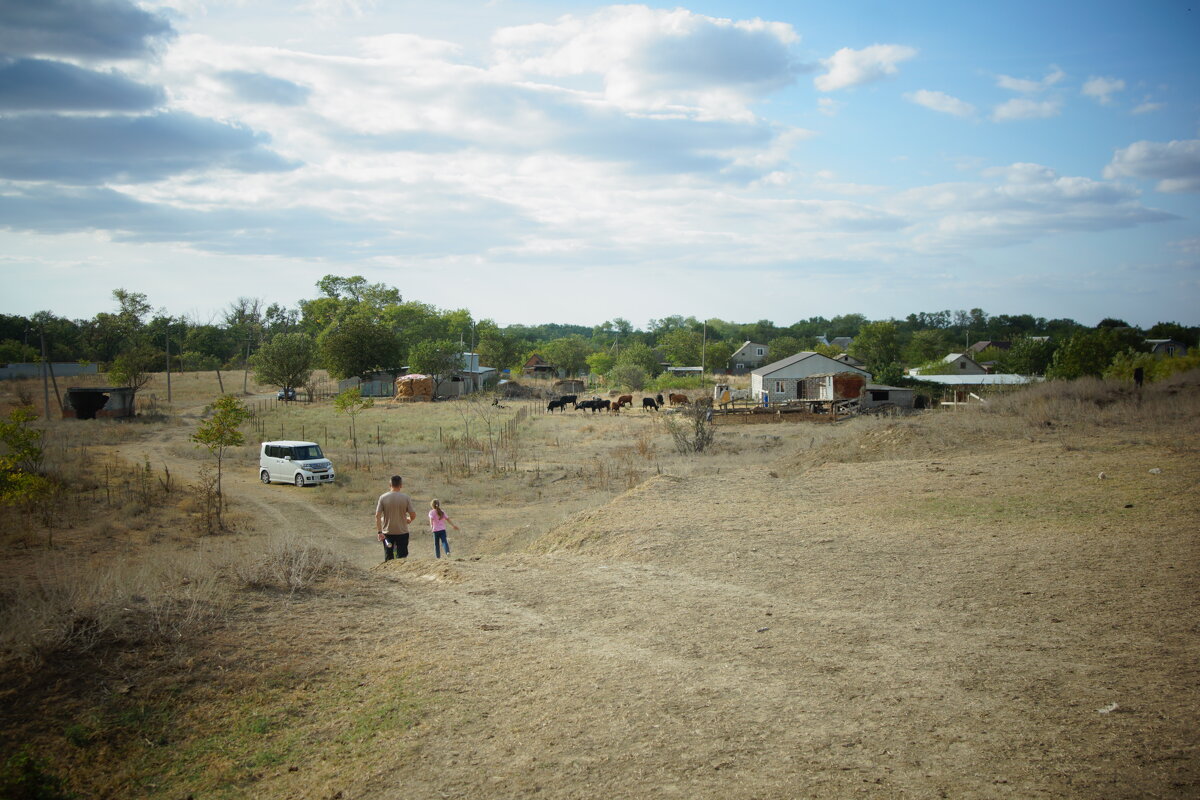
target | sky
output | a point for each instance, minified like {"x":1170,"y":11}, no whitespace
{"x":573,"y":162}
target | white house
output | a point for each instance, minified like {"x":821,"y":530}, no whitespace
{"x":749,"y":356}
{"x":784,"y":380}
{"x":961,"y":363}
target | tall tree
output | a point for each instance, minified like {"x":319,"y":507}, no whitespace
{"x":438,"y":359}
{"x":286,"y":361}
{"x":358,"y":346}
{"x":878,"y":346}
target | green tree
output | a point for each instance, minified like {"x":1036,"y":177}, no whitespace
{"x":358,"y":346}
{"x":717,"y":355}
{"x":640,"y":355}
{"x":600,"y":363}
{"x":438,"y":359}
{"x":568,"y":353}
{"x":681,"y":347}
{"x":218,"y":433}
{"x":21,"y":457}
{"x":135,"y":367}
{"x":1028,"y":356}
{"x":1085,"y":353}
{"x":783,"y":346}
{"x":351,"y":403}
{"x":926,"y":345}
{"x":286,"y":361}
{"x":627,"y":376}
{"x":877,"y":344}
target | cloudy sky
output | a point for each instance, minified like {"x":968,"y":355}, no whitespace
{"x":571,"y":162}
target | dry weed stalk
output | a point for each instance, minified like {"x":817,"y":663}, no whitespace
{"x":288,"y":564}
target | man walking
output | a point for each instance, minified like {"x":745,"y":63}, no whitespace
{"x":393,"y":512}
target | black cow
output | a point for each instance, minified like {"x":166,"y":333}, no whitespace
{"x":648,"y":402}
{"x":593,"y":405}
{"x":559,"y":404}
{"x":573,"y":399}
{"x":660,"y":400}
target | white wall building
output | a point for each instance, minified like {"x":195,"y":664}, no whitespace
{"x":784,"y":380}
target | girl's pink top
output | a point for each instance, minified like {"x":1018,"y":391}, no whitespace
{"x":435,"y":522}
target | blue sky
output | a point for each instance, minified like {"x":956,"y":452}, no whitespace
{"x":572,"y":162}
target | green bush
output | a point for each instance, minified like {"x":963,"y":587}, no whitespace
{"x":25,"y":777}
{"x":668,"y":381}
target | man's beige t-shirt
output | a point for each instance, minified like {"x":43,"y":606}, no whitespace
{"x":395,"y":507}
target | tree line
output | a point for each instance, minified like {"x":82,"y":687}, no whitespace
{"x":355,"y":328}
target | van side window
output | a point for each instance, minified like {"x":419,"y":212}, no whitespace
{"x":269,"y":450}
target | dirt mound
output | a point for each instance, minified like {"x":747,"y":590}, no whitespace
{"x":419,"y":569}
{"x":611,"y":529}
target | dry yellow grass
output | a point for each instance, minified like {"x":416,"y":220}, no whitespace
{"x":807,"y":610}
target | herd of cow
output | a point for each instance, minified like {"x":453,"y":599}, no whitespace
{"x":596,"y":404}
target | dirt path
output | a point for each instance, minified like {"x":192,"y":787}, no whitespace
{"x":924,"y":628}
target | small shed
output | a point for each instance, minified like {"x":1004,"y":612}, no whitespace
{"x":377,"y":384}
{"x":877,"y":395}
{"x":98,"y":402}
{"x":1167,"y":347}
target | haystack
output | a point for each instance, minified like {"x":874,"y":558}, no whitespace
{"x":414,"y":389}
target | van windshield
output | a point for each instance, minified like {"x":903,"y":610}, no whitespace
{"x":307,"y":452}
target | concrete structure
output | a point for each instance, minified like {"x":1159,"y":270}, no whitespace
{"x":470,"y":378}
{"x":876,"y":395}
{"x":98,"y":402}
{"x":784,"y":380}
{"x":686,"y":372}
{"x":60,"y":369}
{"x":749,"y":356}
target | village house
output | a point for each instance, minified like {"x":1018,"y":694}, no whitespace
{"x":958,"y":363}
{"x":748,"y":357}
{"x":846,"y":358}
{"x":785,"y":380}
{"x":536,"y":365}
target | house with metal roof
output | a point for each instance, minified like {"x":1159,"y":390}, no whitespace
{"x":784,"y":380}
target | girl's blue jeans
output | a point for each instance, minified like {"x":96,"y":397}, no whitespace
{"x":440,"y":542}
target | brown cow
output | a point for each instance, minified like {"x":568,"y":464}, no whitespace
{"x":678,"y":399}
{"x":625,"y":400}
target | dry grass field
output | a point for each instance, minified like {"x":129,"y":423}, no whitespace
{"x":995,"y":602}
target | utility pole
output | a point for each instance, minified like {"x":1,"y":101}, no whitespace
{"x":45,"y":376}
{"x":703,"y":348}
{"x":167,"y":342}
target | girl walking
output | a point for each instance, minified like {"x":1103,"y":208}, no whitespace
{"x":438,"y":522}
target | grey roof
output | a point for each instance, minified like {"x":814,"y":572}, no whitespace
{"x":775,"y":366}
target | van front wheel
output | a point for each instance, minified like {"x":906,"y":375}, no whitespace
{"x":265,"y":477}
{"x":299,"y":480}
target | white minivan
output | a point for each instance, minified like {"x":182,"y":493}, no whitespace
{"x":301,"y":463}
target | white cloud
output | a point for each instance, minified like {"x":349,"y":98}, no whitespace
{"x":1102,"y":89}
{"x":828,"y":106}
{"x":1024,"y":202}
{"x":1175,"y":164}
{"x":849,"y":67}
{"x":1023,"y":108}
{"x":1026,"y":86}
{"x":1148,"y":106}
{"x":940,"y":101}
{"x":658,"y":61}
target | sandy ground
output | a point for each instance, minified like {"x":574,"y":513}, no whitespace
{"x":984,"y":624}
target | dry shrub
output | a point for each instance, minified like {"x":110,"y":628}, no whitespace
{"x":288,"y":564}
{"x":70,"y":606}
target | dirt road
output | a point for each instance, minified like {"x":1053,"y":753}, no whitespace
{"x":915,"y":628}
